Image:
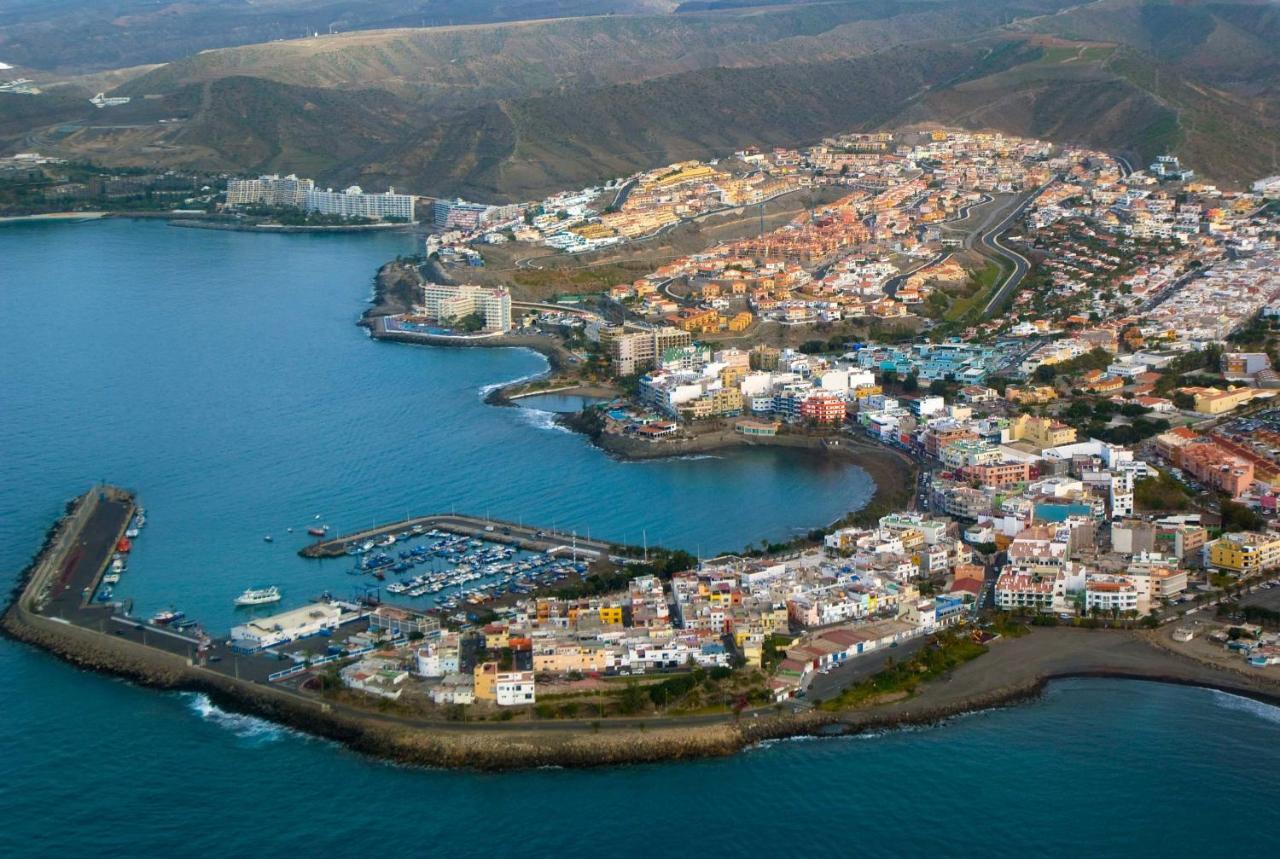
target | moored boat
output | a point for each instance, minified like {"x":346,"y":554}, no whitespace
{"x":258,"y":596}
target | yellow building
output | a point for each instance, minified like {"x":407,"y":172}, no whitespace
{"x":689,"y":171}
{"x":1245,"y":553}
{"x":912,"y":539}
{"x":865,"y":391}
{"x":1041,"y":432}
{"x":1030,"y":396}
{"x":741,"y":321}
{"x":592,"y":231}
{"x":700,"y":321}
{"x":1212,"y":401}
{"x":718,"y":403}
{"x":485,"y":674}
{"x":563,"y":657}
{"x":732,"y":376}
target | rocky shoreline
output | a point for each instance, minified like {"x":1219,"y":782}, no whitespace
{"x":199,"y":224}
{"x":1012,"y":671}
{"x":506,"y":746}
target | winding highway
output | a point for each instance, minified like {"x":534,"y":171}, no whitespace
{"x":1021,"y":265}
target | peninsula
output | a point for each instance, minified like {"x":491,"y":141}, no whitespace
{"x":950,"y":673}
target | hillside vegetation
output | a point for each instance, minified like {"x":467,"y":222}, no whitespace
{"x":516,"y":110}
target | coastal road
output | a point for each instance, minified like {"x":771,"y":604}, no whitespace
{"x":828,"y":685}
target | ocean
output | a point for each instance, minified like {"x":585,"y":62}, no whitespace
{"x":220,"y":375}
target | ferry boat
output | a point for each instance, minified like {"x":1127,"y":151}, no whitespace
{"x":162,"y":618}
{"x":318,"y":530}
{"x":258,"y":596}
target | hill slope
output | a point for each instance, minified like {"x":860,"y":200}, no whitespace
{"x":513,"y":111}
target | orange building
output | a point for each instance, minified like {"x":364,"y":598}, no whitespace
{"x":1216,"y":468}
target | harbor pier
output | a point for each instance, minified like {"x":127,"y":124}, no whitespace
{"x":527,"y":537}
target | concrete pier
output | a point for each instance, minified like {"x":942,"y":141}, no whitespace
{"x":527,"y":537}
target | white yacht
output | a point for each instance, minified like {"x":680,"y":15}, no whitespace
{"x":259,"y":596}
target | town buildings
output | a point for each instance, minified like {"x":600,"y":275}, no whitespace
{"x":292,"y":192}
{"x":449,"y":303}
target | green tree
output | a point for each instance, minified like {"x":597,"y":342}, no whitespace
{"x":632,"y":699}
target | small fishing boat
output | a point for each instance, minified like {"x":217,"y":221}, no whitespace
{"x":268,"y":539}
{"x":163,"y":618}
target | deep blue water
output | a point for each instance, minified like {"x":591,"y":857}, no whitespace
{"x":219,"y":375}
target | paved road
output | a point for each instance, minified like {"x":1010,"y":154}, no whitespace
{"x":828,"y":685}
{"x":991,"y":240}
{"x":73,"y":584}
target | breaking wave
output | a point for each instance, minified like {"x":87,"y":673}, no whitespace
{"x":1264,"y":711}
{"x":543,"y":420}
{"x":244,"y":727}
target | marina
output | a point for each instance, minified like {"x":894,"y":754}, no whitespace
{"x":431,"y":570}
{"x":523,"y":537}
{"x":457,"y":571}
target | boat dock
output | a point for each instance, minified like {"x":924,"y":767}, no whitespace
{"x":57,"y":599}
{"x":527,"y":537}
{"x":63,"y":586}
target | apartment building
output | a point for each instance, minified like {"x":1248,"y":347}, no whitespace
{"x":1019,"y":590}
{"x":1215,"y":467}
{"x":1245,"y":553}
{"x":353,"y":202}
{"x":269,"y":190}
{"x":634,"y":351}
{"x":292,"y":192}
{"x":446,"y":302}
{"x":1110,"y":594}
{"x":458,"y":214}
{"x":1041,"y":432}
{"x":504,"y":688}
{"x":1001,"y":474}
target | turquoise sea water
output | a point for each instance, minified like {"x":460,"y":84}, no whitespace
{"x":219,"y":375}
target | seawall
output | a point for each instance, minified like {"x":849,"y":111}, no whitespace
{"x":1011,"y":671}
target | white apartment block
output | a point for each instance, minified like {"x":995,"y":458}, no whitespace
{"x":353,"y":202}
{"x":513,"y":688}
{"x":444,"y":302}
{"x":269,"y":190}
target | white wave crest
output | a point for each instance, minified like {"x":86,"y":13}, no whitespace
{"x":486,"y":390}
{"x":1264,"y":711}
{"x":244,"y":727}
{"x":543,"y":420}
